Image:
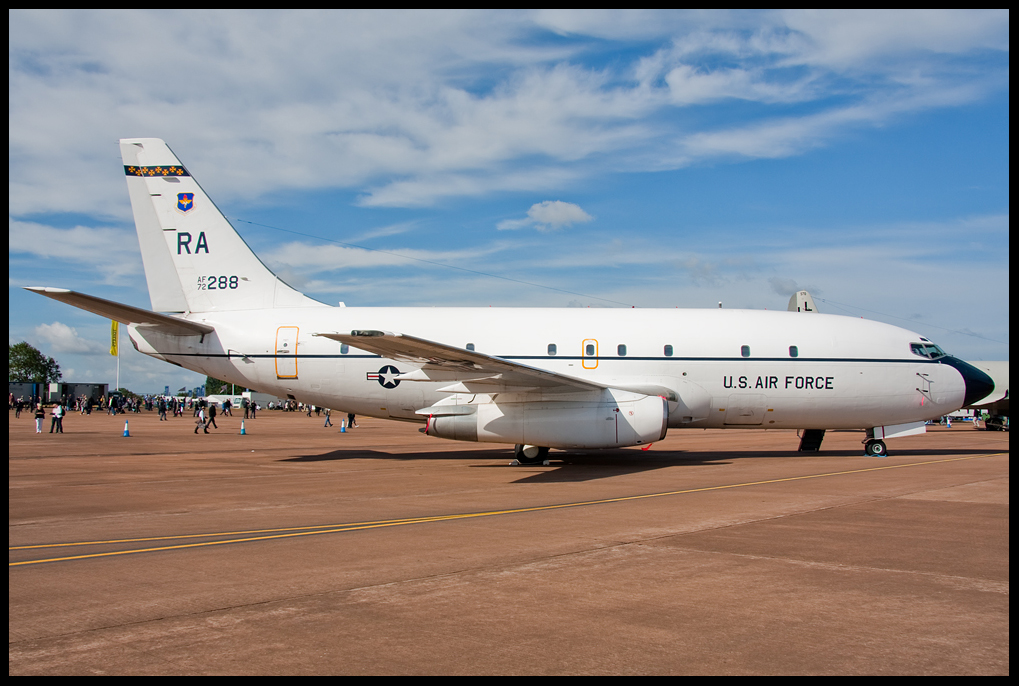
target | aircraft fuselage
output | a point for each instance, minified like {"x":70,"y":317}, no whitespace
{"x":727,"y":368}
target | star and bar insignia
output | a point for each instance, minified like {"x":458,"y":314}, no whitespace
{"x":385,"y":376}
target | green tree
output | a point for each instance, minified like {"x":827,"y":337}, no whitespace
{"x":129,"y":394}
{"x":218,"y":387}
{"x":25,"y":364}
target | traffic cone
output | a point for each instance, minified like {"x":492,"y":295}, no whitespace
{"x":343,"y":426}
{"x":127,"y":434}
{"x":243,"y":432}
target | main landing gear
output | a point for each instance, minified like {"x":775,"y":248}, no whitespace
{"x":530,"y":454}
{"x":875,"y":448}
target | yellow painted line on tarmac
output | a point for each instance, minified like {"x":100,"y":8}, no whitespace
{"x":292,"y":532}
{"x":308,"y":529}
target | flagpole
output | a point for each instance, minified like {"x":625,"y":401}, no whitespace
{"x":115,"y":347}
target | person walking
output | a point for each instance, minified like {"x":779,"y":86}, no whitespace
{"x":212,"y":418}
{"x":200,"y":422}
{"x":40,"y":415}
{"x":327,"y":413}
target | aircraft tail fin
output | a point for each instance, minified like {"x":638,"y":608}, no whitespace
{"x":801,"y":302}
{"x":194,"y":259}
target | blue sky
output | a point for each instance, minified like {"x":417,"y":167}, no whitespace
{"x":655,"y":159}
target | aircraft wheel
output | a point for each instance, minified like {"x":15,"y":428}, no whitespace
{"x":876,"y":448}
{"x":530,"y":454}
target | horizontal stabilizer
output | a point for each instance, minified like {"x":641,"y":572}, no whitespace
{"x":125,"y":314}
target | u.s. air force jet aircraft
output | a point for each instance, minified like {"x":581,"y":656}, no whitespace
{"x":536,"y":378}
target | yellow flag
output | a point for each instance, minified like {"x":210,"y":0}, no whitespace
{"x":114,"y":338}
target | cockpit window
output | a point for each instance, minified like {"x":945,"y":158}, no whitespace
{"x":928,"y":350}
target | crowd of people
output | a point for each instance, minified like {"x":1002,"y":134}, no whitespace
{"x":203,"y":410}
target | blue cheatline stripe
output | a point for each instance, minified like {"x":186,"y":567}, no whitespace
{"x":798,"y":360}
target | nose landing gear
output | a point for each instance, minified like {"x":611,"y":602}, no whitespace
{"x":875,"y":448}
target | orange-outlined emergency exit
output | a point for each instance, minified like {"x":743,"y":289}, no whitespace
{"x":286,"y":352}
{"x":589,"y":356}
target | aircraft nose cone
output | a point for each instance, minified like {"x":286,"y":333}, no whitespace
{"x":978,"y":384}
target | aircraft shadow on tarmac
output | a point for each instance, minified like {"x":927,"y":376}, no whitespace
{"x":563,"y":466}
{"x":576,"y":466}
{"x":610,"y":463}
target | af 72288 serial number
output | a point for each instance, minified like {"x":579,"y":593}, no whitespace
{"x":217,"y":283}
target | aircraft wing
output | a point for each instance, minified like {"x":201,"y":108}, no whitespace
{"x":486,"y":369}
{"x":125,"y":314}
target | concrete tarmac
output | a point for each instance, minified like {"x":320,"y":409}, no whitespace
{"x":297,"y":549}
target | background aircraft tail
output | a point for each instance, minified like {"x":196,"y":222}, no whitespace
{"x":194,"y":259}
{"x":801,"y":302}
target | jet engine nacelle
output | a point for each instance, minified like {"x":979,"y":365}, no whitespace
{"x":560,"y":424}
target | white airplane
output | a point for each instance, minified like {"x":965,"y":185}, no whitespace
{"x":537,"y":378}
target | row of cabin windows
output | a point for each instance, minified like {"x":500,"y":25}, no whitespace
{"x":589,"y":350}
{"x":621,"y":350}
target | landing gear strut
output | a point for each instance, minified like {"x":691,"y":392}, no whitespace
{"x":811,"y":440}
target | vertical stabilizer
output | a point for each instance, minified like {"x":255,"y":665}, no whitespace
{"x":801,"y":302}
{"x":194,"y":259}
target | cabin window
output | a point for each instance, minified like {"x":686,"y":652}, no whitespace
{"x":745,"y":351}
{"x":668,"y":351}
{"x":344,"y":348}
{"x":551,"y":349}
{"x":621,"y":350}
{"x":589,"y":349}
{"x":470,"y":346}
{"x":794,"y":351}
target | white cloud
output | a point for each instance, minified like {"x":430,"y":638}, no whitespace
{"x":859,"y":38}
{"x":411,"y":107}
{"x":113,"y":253}
{"x":308,"y":257}
{"x":64,"y":339}
{"x":549,"y":215}
{"x":783,"y":286}
{"x":787,"y":136}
